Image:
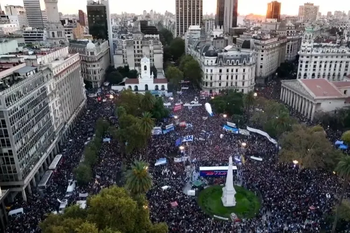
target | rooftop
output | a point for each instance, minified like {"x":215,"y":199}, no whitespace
{"x":321,"y":87}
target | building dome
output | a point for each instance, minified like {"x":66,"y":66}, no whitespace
{"x":211,"y":53}
{"x":90,"y":45}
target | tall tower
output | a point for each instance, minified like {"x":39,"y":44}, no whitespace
{"x":188,"y":12}
{"x":230,"y":15}
{"x":34,"y":15}
{"x":220,"y":10}
{"x":274,"y":10}
{"x":55,"y":30}
{"x":52,"y":11}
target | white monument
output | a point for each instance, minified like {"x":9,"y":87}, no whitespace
{"x":229,"y":192}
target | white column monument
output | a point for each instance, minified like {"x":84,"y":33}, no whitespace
{"x":229,"y":192}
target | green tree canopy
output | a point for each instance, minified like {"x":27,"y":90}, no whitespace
{"x":184,"y":59}
{"x":174,"y":76}
{"x":193,"y":72}
{"x":124,"y":71}
{"x":229,"y":103}
{"x":138,"y":179}
{"x":346,"y":137}
{"x":133,"y":74}
{"x":83,"y":174}
{"x":166,"y":37}
{"x":311,"y":149}
{"x":177,"y":48}
{"x":110,"y":211}
{"x":154,"y":71}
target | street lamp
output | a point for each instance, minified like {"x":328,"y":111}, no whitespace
{"x":295,"y":162}
{"x":145,"y":167}
{"x":111,"y":97}
{"x":244,"y":144}
{"x":181,"y":148}
{"x":255,"y":94}
{"x":224,"y":115}
{"x":175,"y":117}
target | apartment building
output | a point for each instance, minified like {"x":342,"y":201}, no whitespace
{"x":188,"y":12}
{"x":94,"y":58}
{"x":274,"y":10}
{"x":132,"y":48}
{"x":230,"y":15}
{"x":287,"y":29}
{"x":34,"y":13}
{"x":308,"y":12}
{"x":39,"y":100}
{"x":8,"y":28}
{"x":17,"y":15}
{"x":322,"y":60}
{"x":231,"y":68}
{"x":32,"y":35}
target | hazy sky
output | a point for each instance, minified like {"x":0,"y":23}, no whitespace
{"x":289,"y":7}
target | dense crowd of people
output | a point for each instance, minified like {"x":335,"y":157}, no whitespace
{"x":292,"y":200}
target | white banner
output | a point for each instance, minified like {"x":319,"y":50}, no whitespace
{"x":182,"y":159}
{"x":262,"y":133}
{"x":233,"y":125}
{"x":169,"y":126}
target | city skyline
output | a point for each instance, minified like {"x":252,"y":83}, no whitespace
{"x":244,"y":7}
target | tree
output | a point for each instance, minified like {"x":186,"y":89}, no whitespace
{"x":114,"y":77}
{"x":138,"y":179}
{"x":133,"y":74}
{"x":147,"y":102}
{"x":146,"y":124}
{"x":310,"y":149}
{"x":130,"y":102}
{"x":124,"y":71}
{"x":154,"y":71}
{"x":183,"y":61}
{"x":159,"y":111}
{"x":83,"y":174}
{"x":110,"y":211}
{"x":166,"y":37}
{"x":177,"y":48}
{"x":343,"y":171}
{"x":229,"y":103}
{"x":193,"y":72}
{"x":174,"y":76}
{"x":346,"y":137}
{"x":344,"y":210}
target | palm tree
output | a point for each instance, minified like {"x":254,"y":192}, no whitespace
{"x":138,"y":179}
{"x":148,"y":101}
{"x":146,"y":123}
{"x":343,"y":170}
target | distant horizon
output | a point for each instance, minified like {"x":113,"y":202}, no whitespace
{"x":256,"y":7}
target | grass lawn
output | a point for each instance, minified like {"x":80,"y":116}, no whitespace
{"x":247,"y":203}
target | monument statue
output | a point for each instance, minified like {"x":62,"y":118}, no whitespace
{"x":229,"y":192}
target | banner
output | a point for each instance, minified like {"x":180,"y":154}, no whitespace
{"x":184,"y":88}
{"x":233,"y":125}
{"x":177,"y":107}
{"x":182,"y":159}
{"x":178,"y":142}
{"x":262,"y":133}
{"x":169,"y":126}
{"x":183,"y":124}
{"x":157,"y":131}
{"x":244,"y":132}
{"x":168,"y":130}
{"x":189,"y":125}
{"x":160,"y":161}
{"x":188,"y":138}
{"x":230,"y":129}
{"x":193,"y":105}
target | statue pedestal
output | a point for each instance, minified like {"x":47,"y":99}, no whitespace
{"x":228,"y":197}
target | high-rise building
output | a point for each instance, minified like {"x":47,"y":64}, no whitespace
{"x":188,"y":12}
{"x":274,"y":10}
{"x":34,"y":15}
{"x":230,"y":15}
{"x":54,"y":27}
{"x":17,"y":14}
{"x":99,"y":21}
{"x":82,"y":18}
{"x":308,"y":12}
{"x":219,"y":17}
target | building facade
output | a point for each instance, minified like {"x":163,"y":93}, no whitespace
{"x":230,"y":15}
{"x":322,"y":60}
{"x":312,"y":96}
{"x":31,"y":35}
{"x":94,"y":59}
{"x":55,"y":30}
{"x":232,"y":69}
{"x":8,"y":46}
{"x":8,"y":28}
{"x":131,"y":49}
{"x":287,"y":29}
{"x":274,"y":10}
{"x":308,"y":12}
{"x":82,"y":18}
{"x":17,"y":14}
{"x":40,"y":99}
{"x":188,"y":12}
{"x":34,"y":14}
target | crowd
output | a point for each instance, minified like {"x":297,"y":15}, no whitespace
{"x":292,"y":201}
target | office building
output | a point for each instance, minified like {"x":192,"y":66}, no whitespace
{"x":3,"y":212}
{"x":274,"y":10}
{"x":55,"y":30}
{"x":40,"y":99}
{"x":82,"y":18}
{"x":287,"y":29}
{"x":99,"y":21}
{"x":220,"y":10}
{"x":322,"y":60}
{"x":230,"y":15}
{"x":94,"y":57}
{"x":188,"y":12}
{"x":17,"y":14}
{"x":34,"y":35}
{"x":308,"y":12}
{"x":34,"y":14}
{"x":132,"y":48}
{"x":231,"y":68}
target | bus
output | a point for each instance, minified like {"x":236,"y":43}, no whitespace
{"x":55,"y":162}
{"x":44,"y":181}
{"x":214,"y":171}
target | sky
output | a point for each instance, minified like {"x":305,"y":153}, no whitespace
{"x":289,"y":7}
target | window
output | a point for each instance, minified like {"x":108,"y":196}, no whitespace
{"x":146,"y":86}
{"x":145,"y":67}
{"x":345,"y":92}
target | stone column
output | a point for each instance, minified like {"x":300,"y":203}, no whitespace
{"x":299,"y":103}
{"x":313,"y":111}
{"x":310,"y":110}
{"x":24,"y":195}
{"x":34,"y":181}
